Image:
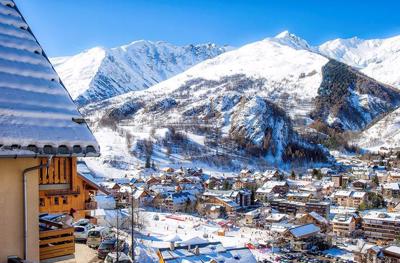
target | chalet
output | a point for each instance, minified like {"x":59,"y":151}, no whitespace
{"x":152,"y":181}
{"x":248,"y":183}
{"x":314,"y":218}
{"x":367,"y":252}
{"x":228,"y":205}
{"x":241,"y":198}
{"x":41,"y":135}
{"x":270,"y":188}
{"x":300,"y":197}
{"x":142,"y":197}
{"x":303,"y":237}
{"x":361,"y":184}
{"x":363,"y":172}
{"x":391,"y":190}
{"x":168,"y":170}
{"x":344,"y":225}
{"x":252,"y":217}
{"x":62,"y":186}
{"x":350,"y":198}
{"x":276,"y":218}
{"x":112,"y":187}
{"x":180,"y":201}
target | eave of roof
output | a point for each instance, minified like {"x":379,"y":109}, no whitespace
{"x":38,"y":116}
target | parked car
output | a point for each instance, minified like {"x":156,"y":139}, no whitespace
{"x":96,"y":235}
{"x":122,"y":258}
{"x":81,"y":232}
{"x":82,"y":222}
{"x":110,"y":245}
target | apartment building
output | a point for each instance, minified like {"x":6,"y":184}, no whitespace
{"x":294,"y":207}
{"x":343,"y":225}
{"x":350,"y":198}
{"x":381,"y":226}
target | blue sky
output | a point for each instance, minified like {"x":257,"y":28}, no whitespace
{"x":66,"y":27}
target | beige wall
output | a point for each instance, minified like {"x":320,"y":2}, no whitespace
{"x":11,"y":209}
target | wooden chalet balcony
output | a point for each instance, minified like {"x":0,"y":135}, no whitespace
{"x":56,"y":242}
{"x":92,"y":205}
{"x":58,"y":192}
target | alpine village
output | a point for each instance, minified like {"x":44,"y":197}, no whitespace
{"x":276,"y":151}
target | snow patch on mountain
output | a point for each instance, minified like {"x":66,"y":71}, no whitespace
{"x":384,"y":133}
{"x":101,"y":73}
{"x":377,"y":58}
{"x":77,"y":72}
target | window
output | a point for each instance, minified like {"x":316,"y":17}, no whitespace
{"x":56,"y":201}
{"x":41,"y":202}
{"x":65,"y":200}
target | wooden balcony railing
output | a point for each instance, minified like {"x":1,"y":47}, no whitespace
{"x":58,"y":192}
{"x":56,"y":242}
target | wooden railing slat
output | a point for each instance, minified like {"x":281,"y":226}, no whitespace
{"x":57,"y":240}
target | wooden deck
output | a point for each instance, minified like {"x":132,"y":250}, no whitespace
{"x":56,"y":243}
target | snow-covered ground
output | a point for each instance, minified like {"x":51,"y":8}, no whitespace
{"x":187,"y":228}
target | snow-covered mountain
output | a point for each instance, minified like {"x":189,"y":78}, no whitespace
{"x":377,"y":58}
{"x":252,"y":105}
{"x":253,"y":102}
{"x":384,"y":133}
{"x":101,"y":73}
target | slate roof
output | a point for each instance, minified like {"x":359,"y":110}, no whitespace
{"x":37,"y":115}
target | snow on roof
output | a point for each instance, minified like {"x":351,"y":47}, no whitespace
{"x":343,"y":193}
{"x":318,"y":217}
{"x":36,"y":112}
{"x":228,"y":202}
{"x":358,"y":194}
{"x":208,"y":252}
{"x":194,"y":241}
{"x":343,"y":218}
{"x":181,"y":197}
{"x":391,"y":186}
{"x":276,"y":217}
{"x":304,"y":230}
{"x":298,"y":194}
{"x":172,"y":238}
{"x":393,"y":249}
{"x":86,"y":174}
{"x":383,"y":216}
{"x":269,"y":186}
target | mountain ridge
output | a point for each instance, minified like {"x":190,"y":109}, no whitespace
{"x":101,"y":73}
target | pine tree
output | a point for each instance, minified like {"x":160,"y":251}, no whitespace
{"x":148,"y":164}
{"x":375,"y":180}
{"x":293,"y":175}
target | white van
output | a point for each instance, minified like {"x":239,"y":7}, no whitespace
{"x":96,"y":235}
